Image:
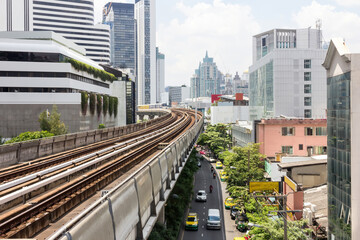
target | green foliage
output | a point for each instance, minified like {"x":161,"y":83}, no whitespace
{"x":105,"y":104}
{"x":52,"y":123}
{"x":26,"y":136}
{"x":44,"y":121}
{"x":116,"y":103}
{"x":98,"y":104}
{"x":242,"y":168}
{"x":101,"y":126}
{"x":111,"y":105}
{"x":97,"y":73}
{"x":216,"y":137}
{"x":84,"y":102}
{"x":175,"y":207}
{"x":92,"y":103}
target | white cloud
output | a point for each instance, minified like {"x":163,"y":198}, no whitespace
{"x":225,"y":30}
{"x":335,"y":23}
{"x":348,"y":3}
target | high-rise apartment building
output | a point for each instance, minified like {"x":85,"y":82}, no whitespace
{"x":343,"y":115}
{"x":121,"y":19}
{"x":74,"y":20}
{"x":207,"y":79}
{"x":145,"y":15}
{"x":160,"y":74}
{"x":286,"y":77}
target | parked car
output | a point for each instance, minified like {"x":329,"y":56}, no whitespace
{"x":223,"y":176}
{"x":241,"y":222}
{"x":213,"y":220}
{"x":192,"y":222}
{"x":218,"y":165}
{"x":229,"y":202}
{"x":212,"y":160}
{"x":201,"y":196}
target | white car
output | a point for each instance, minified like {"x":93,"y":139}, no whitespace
{"x":212,"y":160}
{"x":201,"y":196}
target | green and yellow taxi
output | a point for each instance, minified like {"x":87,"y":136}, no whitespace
{"x":239,"y":238}
{"x":218,"y":165}
{"x":223,"y":175}
{"x":229,"y":202}
{"x":192,"y":222}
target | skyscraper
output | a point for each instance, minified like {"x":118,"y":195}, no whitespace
{"x":207,"y":78}
{"x":145,"y":15}
{"x":160,"y":74}
{"x":74,"y":20}
{"x":343,"y":115}
{"x":121,"y":19}
{"x":286,"y":77}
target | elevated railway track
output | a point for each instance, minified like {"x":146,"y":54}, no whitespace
{"x":37,"y":193}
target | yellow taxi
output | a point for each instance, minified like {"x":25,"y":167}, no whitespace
{"x":218,"y":165}
{"x":239,"y":238}
{"x":223,"y":176}
{"x":229,"y":202}
{"x":192,"y":222}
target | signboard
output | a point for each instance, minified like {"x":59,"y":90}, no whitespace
{"x":290,"y":183}
{"x":264,"y":186}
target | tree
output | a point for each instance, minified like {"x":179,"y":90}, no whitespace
{"x":52,"y":123}
{"x":44,"y":121}
{"x":242,"y":168}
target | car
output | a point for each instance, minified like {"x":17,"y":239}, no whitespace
{"x":218,"y":165}
{"x":233,"y":211}
{"x":199,"y":164}
{"x":202,"y":152}
{"x":212,"y":160}
{"x":239,"y":238}
{"x":192,"y":222}
{"x":201,"y":196}
{"x":214,"y":220}
{"x":229,"y":202}
{"x":223,"y":176}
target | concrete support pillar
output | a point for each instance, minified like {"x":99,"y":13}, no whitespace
{"x":161,"y":217}
{"x":141,"y":117}
{"x":151,"y":116}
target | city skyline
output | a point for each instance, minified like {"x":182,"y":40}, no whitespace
{"x":195,"y":26}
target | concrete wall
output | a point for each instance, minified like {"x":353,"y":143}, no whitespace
{"x":24,"y":151}
{"x":229,"y":114}
{"x":130,"y":210}
{"x":310,"y":176}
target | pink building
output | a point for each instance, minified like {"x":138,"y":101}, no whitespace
{"x":299,"y":137}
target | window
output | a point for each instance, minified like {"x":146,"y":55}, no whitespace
{"x":287,"y":149}
{"x":288,"y":131}
{"x":307,"y":76}
{"x":307,"y":63}
{"x":301,"y":147}
{"x":320,"y":150}
{"x":308,"y":131}
{"x":307,"y":88}
{"x":307,"y":113}
{"x":307,"y":101}
{"x":310,"y":150}
{"x":321,"y":131}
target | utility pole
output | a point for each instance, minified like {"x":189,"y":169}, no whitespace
{"x":284,"y":210}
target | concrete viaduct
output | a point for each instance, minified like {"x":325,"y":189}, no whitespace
{"x":131,"y":209}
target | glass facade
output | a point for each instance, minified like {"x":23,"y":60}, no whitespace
{"x":262,"y":88}
{"x":339,"y":162}
{"x":130,"y":102}
{"x":122,"y":32}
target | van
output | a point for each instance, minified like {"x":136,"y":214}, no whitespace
{"x":213,"y":219}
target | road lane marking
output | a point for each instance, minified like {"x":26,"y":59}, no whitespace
{"x":202,"y":235}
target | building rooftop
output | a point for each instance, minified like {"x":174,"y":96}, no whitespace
{"x":302,"y":163}
{"x":287,"y":120}
{"x":318,"y":197}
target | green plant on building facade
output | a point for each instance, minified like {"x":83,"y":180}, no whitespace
{"x":98,"y":104}
{"x":97,"y":73}
{"x":84,"y":102}
{"x":92,"y":103}
{"x":105,"y":104}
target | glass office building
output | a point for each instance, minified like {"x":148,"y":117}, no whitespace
{"x":120,"y":18}
{"x":339,"y":159}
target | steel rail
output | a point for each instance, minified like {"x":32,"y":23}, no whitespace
{"x":132,"y":156}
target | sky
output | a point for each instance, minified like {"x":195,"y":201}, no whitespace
{"x":186,"y":29}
